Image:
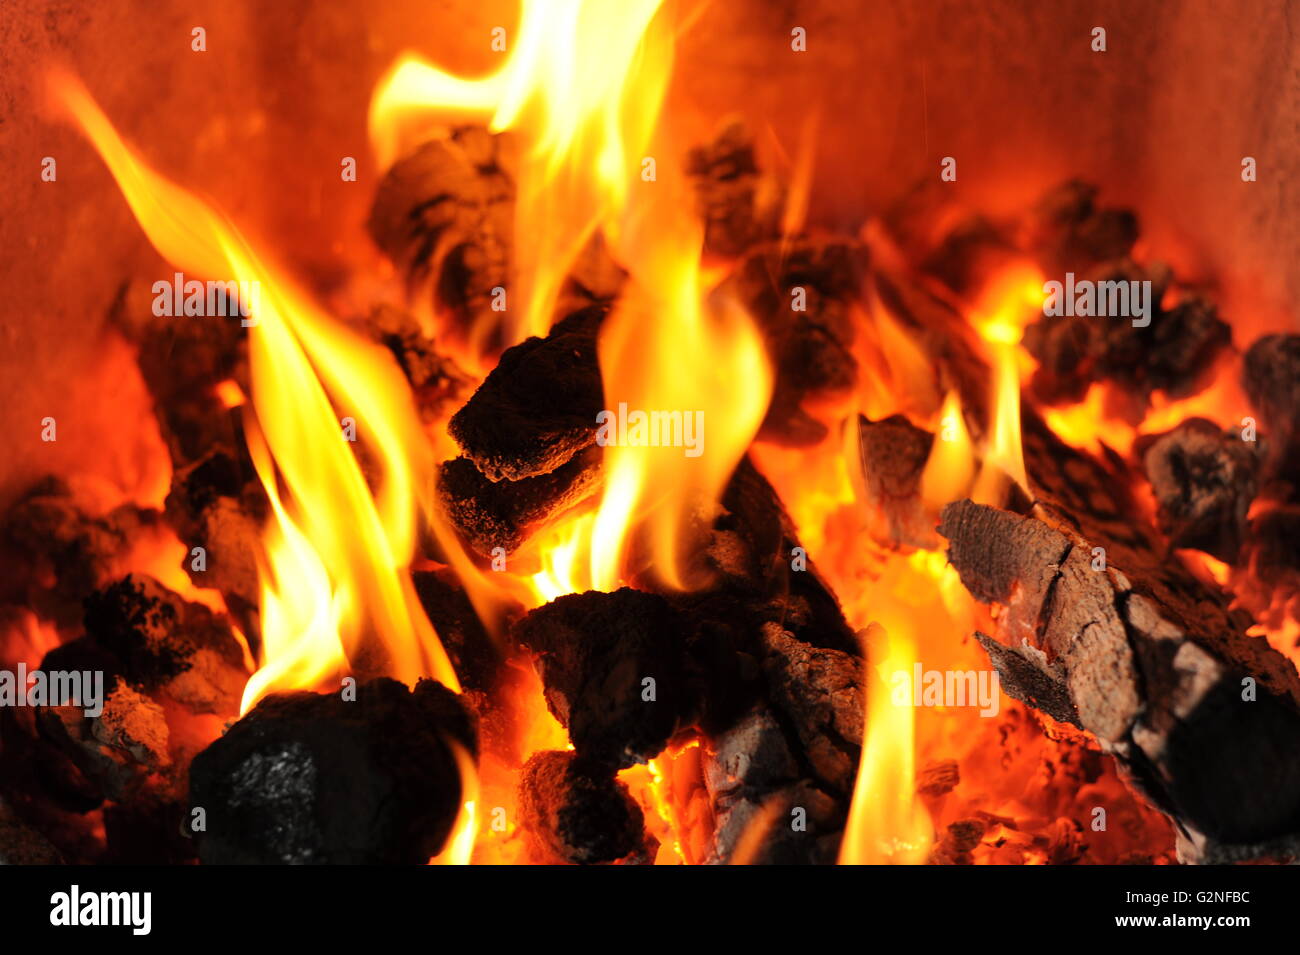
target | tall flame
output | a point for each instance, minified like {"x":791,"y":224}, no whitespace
{"x":667,"y":351}
{"x":582,"y":85}
{"x":887,"y":824}
{"x":335,"y":587}
{"x":1000,"y":316}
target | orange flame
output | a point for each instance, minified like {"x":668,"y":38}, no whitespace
{"x":1000,"y":316}
{"x":582,"y":85}
{"x":887,"y":824}
{"x":335,"y":587}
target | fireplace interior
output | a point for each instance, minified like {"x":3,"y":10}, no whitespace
{"x":650,"y":433}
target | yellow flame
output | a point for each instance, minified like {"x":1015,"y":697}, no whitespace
{"x":582,"y":86}
{"x":887,"y":824}
{"x":459,"y":849}
{"x":1003,"y":311}
{"x":951,"y":466}
{"x":335,"y":586}
{"x":664,"y":352}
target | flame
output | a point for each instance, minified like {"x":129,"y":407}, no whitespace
{"x":335,"y":587}
{"x":950,"y":469}
{"x":582,"y":86}
{"x":665,"y":351}
{"x":887,"y":824}
{"x":1000,"y":315}
{"x":460,"y":844}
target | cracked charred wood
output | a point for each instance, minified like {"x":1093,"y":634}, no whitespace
{"x":59,"y":553}
{"x":122,"y":751}
{"x":614,"y":670}
{"x":538,"y":406}
{"x":1205,"y":719}
{"x":445,"y":215}
{"x":760,"y":575}
{"x":316,"y":779}
{"x":728,"y":187}
{"x":575,"y":812}
{"x":437,"y":382}
{"x":821,"y":694}
{"x":1203,"y":479}
{"x":1068,"y":231}
{"x":894,"y":452}
{"x":766,"y":811}
{"x":1271,"y":378}
{"x":801,"y":294}
{"x":490,"y":514}
{"x":219,"y":504}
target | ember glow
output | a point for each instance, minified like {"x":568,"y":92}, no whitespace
{"x":635,"y":509}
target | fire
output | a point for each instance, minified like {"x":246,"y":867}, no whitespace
{"x":335,"y":587}
{"x":1004,"y":309}
{"x":887,"y":823}
{"x":950,"y":469}
{"x":665,"y":350}
{"x":582,"y":86}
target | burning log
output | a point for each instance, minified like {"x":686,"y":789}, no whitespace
{"x":614,"y":670}
{"x":182,"y":361}
{"x":953,"y":351}
{"x":437,"y":381}
{"x":1068,"y":231}
{"x":445,"y":215}
{"x":308,"y":778}
{"x":1155,"y":667}
{"x":538,"y":407}
{"x":1173,"y":354}
{"x":727,"y":185}
{"x":1204,"y":481}
{"x":894,"y":452}
{"x":575,"y":812}
{"x":820,"y":692}
{"x":66,"y":552}
{"x":801,"y":294}
{"x":123,"y":751}
{"x":505,"y":513}
{"x":765,"y":811}
{"x":1271,"y":378}
{"x":218,"y":503}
